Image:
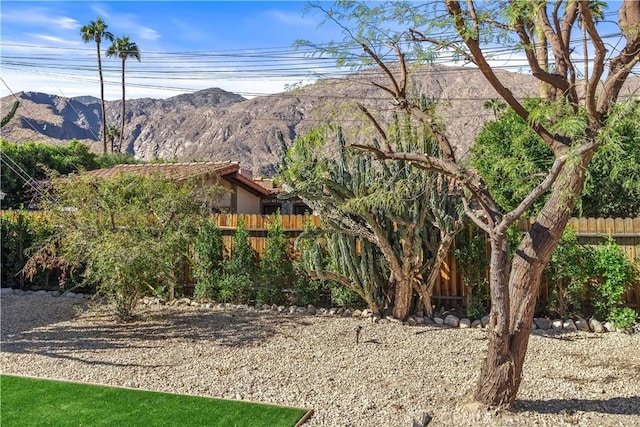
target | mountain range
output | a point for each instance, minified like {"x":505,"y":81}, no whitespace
{"x":216,"y":125}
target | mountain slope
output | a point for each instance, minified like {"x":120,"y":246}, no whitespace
{"x":216,"y":125}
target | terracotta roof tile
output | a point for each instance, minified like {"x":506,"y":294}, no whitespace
{"x":178,"y":171}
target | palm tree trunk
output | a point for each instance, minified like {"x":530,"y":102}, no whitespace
{"x":104,"y":114}
{"x":123,"y":108}
{"x":585,"y":54}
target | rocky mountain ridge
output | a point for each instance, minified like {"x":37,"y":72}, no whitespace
{"x":213,"y":124}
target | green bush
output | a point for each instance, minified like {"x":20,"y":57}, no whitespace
{"x":613,"y":275}
{"x":22,"y":231}
{"x":623,"y":318}
{"x":238,"y":281}
{"x":568,"y":274}
{"x":208,"y":260}
{"x":275,"y":267}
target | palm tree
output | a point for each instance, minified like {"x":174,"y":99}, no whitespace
{"x":496,"y":105}
{"x":123,"y":48}
{"x":112,"y":133}
{"x":96,"y":31}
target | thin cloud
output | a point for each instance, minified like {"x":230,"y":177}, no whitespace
{"x":39,"y":16}
{"x":289,"y":18}
{"x":146,"y":33}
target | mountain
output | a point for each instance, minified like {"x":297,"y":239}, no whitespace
{"x":216,"y":125}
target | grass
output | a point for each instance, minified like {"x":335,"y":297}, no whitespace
{"x":37,"y":402}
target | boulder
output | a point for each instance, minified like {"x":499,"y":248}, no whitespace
{"x":582,"y":324}
{"x":366,"y":313}
{"x":311,"y":309}
{"x":609,"y":327}
{"x":556,"y":324}
{"x":465,"y":323}
{"x":438,"y":320}
{"x":569,"y":325}
{"x":452,"y":321}
{"x":333,"y":311}
{"x":542,"y":323}
{"x":596,"y":326}
{"x":419,"y":320}
{"x":485,"y":321}
{"x":476,"y":323}
{"x":411,"y":321}
{"x":356,"y":313}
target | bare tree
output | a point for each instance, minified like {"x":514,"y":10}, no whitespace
{"x":470,"y":30}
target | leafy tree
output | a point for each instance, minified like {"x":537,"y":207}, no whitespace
{"x":573,"y":129}
{"x":123,"y":48}
{"x":512,"y":160}
{"x":96,"y":31}
{"x":275,"y":265}
{"x":129,"y":233}
{"x":33,"y":161}
{"x":400,"y":215}
{"x":12,"y":112}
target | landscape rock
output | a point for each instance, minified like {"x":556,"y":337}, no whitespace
{"x":438,"y":321}
{"x":6,"y":291}
{"x":609,"y":327}
{"x":411,"y":321}
{"x":582,"y":324}
{"x":357,"y":313}
{"x":366,"y":313}
{"x":569,"y":325}
{"x":542,"y":323}
{"x":485,"y":321}
{"x":452,"y":321}
{"x":596,"y":326}
{"x":534,"y":326}
{"x":476,"y":323}
{"x":311,"y":309}
{"x":556,"y":324}
{"x":465,"y":323}
{"x":419,"y":320}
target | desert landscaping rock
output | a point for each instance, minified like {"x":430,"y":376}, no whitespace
{"x":556,"y":324}
{"x":392,"y":377}
{"x":569,"y":325}
{"x":542,"y":323}
{"x":438,"y":321}
{"x":452,"y":321}
{"x":582,"y":324}
{"x":596,"y":326}
{"x":464,"y":323}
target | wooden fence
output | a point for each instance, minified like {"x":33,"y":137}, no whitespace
{"x":449,"y":290}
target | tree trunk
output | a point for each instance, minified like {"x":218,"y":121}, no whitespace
{"x":104,"y":113}
{"x":123,"y":110}
{"x":402,"y":298}
{"x":512,"y":305}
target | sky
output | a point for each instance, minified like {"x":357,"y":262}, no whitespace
{"x":244,"y":47}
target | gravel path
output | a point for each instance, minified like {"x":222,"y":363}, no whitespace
{"x":392,"y":378}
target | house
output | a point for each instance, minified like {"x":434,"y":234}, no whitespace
{"x":246,"y":195}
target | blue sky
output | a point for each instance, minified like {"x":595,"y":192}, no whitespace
{"x":203,"y":44}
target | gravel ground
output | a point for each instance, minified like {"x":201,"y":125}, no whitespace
{"x":398,"y":374}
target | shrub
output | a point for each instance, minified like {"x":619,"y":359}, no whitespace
{"x":613,"y":274}
{"x":623,"y":318}
{"x":238,"y":280}
{"x":208,"y":260}
{"x":275,"y":265}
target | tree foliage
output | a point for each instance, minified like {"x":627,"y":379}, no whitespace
{"x":33,"y":160}
{"x":512,"y":159}
{"x":129,"y":234}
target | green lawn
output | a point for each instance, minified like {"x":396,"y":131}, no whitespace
{"x":37,"y":402}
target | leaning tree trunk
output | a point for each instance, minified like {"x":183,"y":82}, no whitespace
{"x":512,"y":309}
{"x":402,"y":297}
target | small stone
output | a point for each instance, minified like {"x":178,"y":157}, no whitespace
{"x":420,"y":320}
{"x":346,"y":313}
{"x":339,"y":311}
{"x":6,"y":291}
{"x":311,"y":309}
{"x":428,"y":321}
{"x":292,"y":309}
{"x":569,"y":325}
{"x":244,"y":307}
{"x":452,"y":321}
{"x":57,"y":294}
{"x":484,"y":321}
{"x":596,"y":326}
{"x":556,"y":324}
{"x":411,"y":321}
{"x":208,"y":305}
{"x":438,"y":320}
{"x":582,"y":324}
{"x":542,"y":323}
{"x":476,"y":324}
{"x":267,"y":307}
{"x":464,"y":323}
{"x":367,"y":312}
{"x":357,"y":313}
{"x":194,"y":304}
{"x":375,"y":318}
{"x":609,"y":327}
{"x":281,"y":308}
{"x":333,"y":311}
{"x":392,"y":319}
{"x":382,"y":321}
{"x":321,"y":310}
{"x":301,"y":310}
{"x":220,"y":306}
{"x":274,"y":307}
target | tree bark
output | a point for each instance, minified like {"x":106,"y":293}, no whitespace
{"x":513,"y":294}
{"x":123,"y":110}
{"x":104,"y":113}
{"x":402,"y":298}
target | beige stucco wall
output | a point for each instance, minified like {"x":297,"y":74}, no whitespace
{"x":247,"y":203}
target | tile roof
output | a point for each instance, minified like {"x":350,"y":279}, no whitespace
{"x":178,"y":171}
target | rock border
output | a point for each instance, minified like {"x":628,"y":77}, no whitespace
{"x":449,"y":320}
